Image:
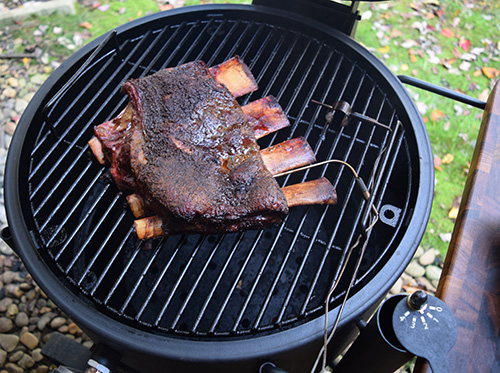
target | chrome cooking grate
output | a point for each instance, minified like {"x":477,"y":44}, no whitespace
{"x":232,"y":284}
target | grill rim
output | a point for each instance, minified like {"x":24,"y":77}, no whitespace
{"x":113,"y":332}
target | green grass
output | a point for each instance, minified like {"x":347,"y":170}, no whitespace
{"x":452,"y":132}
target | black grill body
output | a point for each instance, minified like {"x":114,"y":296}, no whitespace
{"x":222,"y":302}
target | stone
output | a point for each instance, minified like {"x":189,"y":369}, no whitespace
{"x":415,"y":270}
{"x":433,"y":273}
{"x":21,"y":319}
{"x":43,"y":321}
{"x":16,"y":356}
{"x":419,"y":252}
{"x":36,"y":354}
{"x":41,"y":369}
{"x":12,"y":311}
{"x":13,"y":368}
{"x":397,"y":287}
{"x":3,"y":357}
{"x":6,"y":325}
{"x":427,"y":258}
{"x":29,"y":340}
{"x":9,"y":92}
{"x":8,"y":342}
{"x":20,"y":105}
{"x":73,"y":328}
{"x":5,"y":303}
{"x":426,"y":284}
{"x":26,"y":361}
{"x":13,"y":290}
{"x":57,"y":322}
{"x":8,"y":277}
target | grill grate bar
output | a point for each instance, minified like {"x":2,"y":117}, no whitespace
{"x":238,"y":42}
{"x":121,"y":275}
{"x":196,"y":282}
{"x":72,"y":211}
{"x":217,"y":282}
{"x":160,"y":277}
{"x":283,"y":60}
{"x":138,"y":282}
{"x":102,"y":246}
{"x":50,"y":195}
{"x":116,"y":253}
{"x":71,"y":190}
{"x":337,"y":226}
{"x":74,"y":122}
{"x":49,"y":153}
{"x":273,"y":245}
{"x":98,"y":226}
{"x":238,"y":277}
{"x":222,"y":44}
{"x":178,"y":281}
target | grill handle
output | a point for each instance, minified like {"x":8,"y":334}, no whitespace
{"x":445,"y":92}
{"x":270,"y":368}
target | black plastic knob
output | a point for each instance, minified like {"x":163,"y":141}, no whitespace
{"x":417,"y":300}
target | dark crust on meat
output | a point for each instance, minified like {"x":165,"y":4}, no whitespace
{"x":195,"y":158}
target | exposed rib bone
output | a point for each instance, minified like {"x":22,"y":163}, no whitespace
{"x":96,"y":147}
{"x":236,"y":76}
{"x":136,"y":204}
{"x":288,"y":155}
{"x":148,"y":227}
{"x":314,"y":192}
{"x":265,"y":116}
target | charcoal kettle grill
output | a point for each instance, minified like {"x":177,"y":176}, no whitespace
{"x":230,"y":302}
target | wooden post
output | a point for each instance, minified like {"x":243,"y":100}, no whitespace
{"x":470,"y":282}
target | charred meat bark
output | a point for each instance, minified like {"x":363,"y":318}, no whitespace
{"x":188,"y":150}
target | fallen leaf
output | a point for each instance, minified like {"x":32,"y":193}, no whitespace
{"x":437,"y":163}
{"x":483,"y":96}
{"x":384,"y":49}
{"x":447,"y":33}
{"x":103,"y":8}
{"x":436,"y":115}
{"x":166,"y":7}
{"x":464,"y":44}
{"x":85,"y":25}
{"x":395,"y":33}
{"x":447,"y":159}
{"x":453,"y":213}
{"x":477,"y":73}
{"x":445,"y":237}
{"x":464,"y":66}
{"x":490,"y":72}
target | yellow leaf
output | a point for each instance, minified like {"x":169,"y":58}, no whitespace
{"x":413,"y":58}
{"x":385,"y":49}
{"x":453,"y":213}
{"x":447,"y":159}
{"x":477,"y":73}
{"x":490,"y":72}
{"x":405,"y":67}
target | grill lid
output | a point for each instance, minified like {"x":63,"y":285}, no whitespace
{"x":74,"y":231}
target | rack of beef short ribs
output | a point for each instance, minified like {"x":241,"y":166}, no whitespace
{"x":189,"y":153}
